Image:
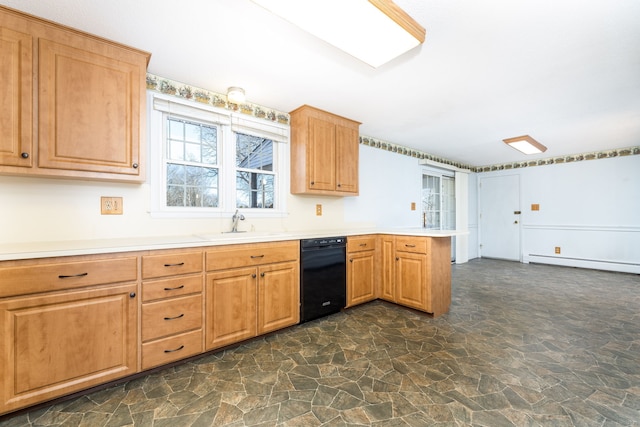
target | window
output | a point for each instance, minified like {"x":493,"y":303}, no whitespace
{"x":206,"y":161}
{"x":255,"y":177}
{"x":438,"y":202}
{"x":191,"y":164}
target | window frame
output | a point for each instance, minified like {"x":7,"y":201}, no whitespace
{"x":161,"y":106}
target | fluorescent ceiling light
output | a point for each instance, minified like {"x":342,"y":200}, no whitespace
{"x":525,"y":144}
{"x":374,"y":31}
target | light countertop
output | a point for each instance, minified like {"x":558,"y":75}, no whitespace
{"x":29,"y":250}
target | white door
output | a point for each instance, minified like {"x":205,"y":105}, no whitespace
{"x":500,"y":217}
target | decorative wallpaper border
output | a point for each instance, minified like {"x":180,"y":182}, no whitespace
{"x":619,"y":152}
{"x":395,"y":148}
{"x":182,"y":90}
{"x":411,"y":152}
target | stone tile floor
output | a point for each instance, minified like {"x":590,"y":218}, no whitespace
{"x":523,"y":345}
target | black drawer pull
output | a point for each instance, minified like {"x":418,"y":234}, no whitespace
{"x":363,"y":244}
{"x":174,"y":265}
{"x":257,"y":256}
{"x":174,"y":350}
{"x":174,"y":318}
{"x":73,"y":275}
{"x":174,"y":289}
{"x":410,"y":246}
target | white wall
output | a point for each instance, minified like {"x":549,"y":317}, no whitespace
{"x":591,"y":209}
{"x":40,"y":209}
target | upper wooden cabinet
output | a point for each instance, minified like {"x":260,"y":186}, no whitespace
{"x":324,"y":153}
{"x":84,"y":98}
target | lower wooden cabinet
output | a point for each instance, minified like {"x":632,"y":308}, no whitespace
{"x":361,"y":270}
{"x":260,"y":294}
{"x":59,"y":343}
{"x":416,"y":272}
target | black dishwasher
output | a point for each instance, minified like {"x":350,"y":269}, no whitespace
{"x":323,"y":277}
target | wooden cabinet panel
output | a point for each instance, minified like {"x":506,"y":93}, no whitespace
{"x":51,"y":275}
{"x":171,"y":264}
{"x":230,"y":307}
{"x":171,"y":316}
{"x":412,"y":288}
{"x":278,"y":296}
{"x":170,"y":349}
{"x":89,"y":109}
{"x":417,"y":245}
{"x":251,"y":254}
{"x":169,"y":288}
{"x":324,"y":153}
{"x":347,"y":159}
{"x":361,"y":243}
{"x":16,"y":102}
{"x":59,"y":343}
{"x":388,"y":266}
{"x":361,"y":277}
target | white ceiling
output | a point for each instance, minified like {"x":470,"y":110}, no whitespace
{"x":566,"y":72}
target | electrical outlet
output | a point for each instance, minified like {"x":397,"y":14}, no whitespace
{"x":111,"y":205}
{"x":413,"y":206}
{"x":535,"y":207}
{"x":557,"y":249}
{"x":318,"y":210}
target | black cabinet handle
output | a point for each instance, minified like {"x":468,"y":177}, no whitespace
{"x":257,"y":256}
{"x":313,"y":182}
{"x":174,"y":318}
{"x":72,"y":275}
{"x":410,"y":246}
{"x":177,"y":349}
{"x":253,"y":276}
{"x":25,"y":155}
{"x":178,"y":264}
{"x":363,"y":244}
{"x":132,"y":295}
{"x":351,"y":260}
{"x":135,"y":166}
{"x":174,"y":289}
{"x":261,"y":274}
{"x":397,"y":259}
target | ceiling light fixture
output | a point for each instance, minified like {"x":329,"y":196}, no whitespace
{"x":235,"y":95}
{"x":374,"y":31}
{"x":525,"y":144}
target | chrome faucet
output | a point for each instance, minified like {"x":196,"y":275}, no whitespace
{"x":235,"y":218}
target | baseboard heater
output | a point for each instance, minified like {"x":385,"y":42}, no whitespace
{"x":597,"y":264}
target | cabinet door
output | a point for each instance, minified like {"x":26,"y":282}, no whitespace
{"x":322,"y":154}
{"x":360,"y":278}
{"x":388,"y":276}
{"x":90,"y":103}
{"x":411,"y":280}
{"x":61,"y":343}
{"x":16,"y":105}
{"x":230,"y":307}
{"x":278,"y":296}
{"x":346,"y":159}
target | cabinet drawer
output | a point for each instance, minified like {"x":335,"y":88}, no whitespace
{"x":234,"y":256}
{"x":168,"y":317}
{"x":417,"y":245}
{"x":171,"y":264}
{"x":30,"y":277}
{"x":172,"y":348}
{"x":169,"y":288}
{"x":361,"y":243}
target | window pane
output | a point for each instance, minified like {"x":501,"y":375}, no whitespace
{"x":192,"y":153}
{"x":193,"y":142}
{"x":176,"y":129}
{"x":254,"y":190}
{"x":192,"y":132}
{"x":192,"y":186}
{"x":253,"y":152}
{"x":176,"y":150}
